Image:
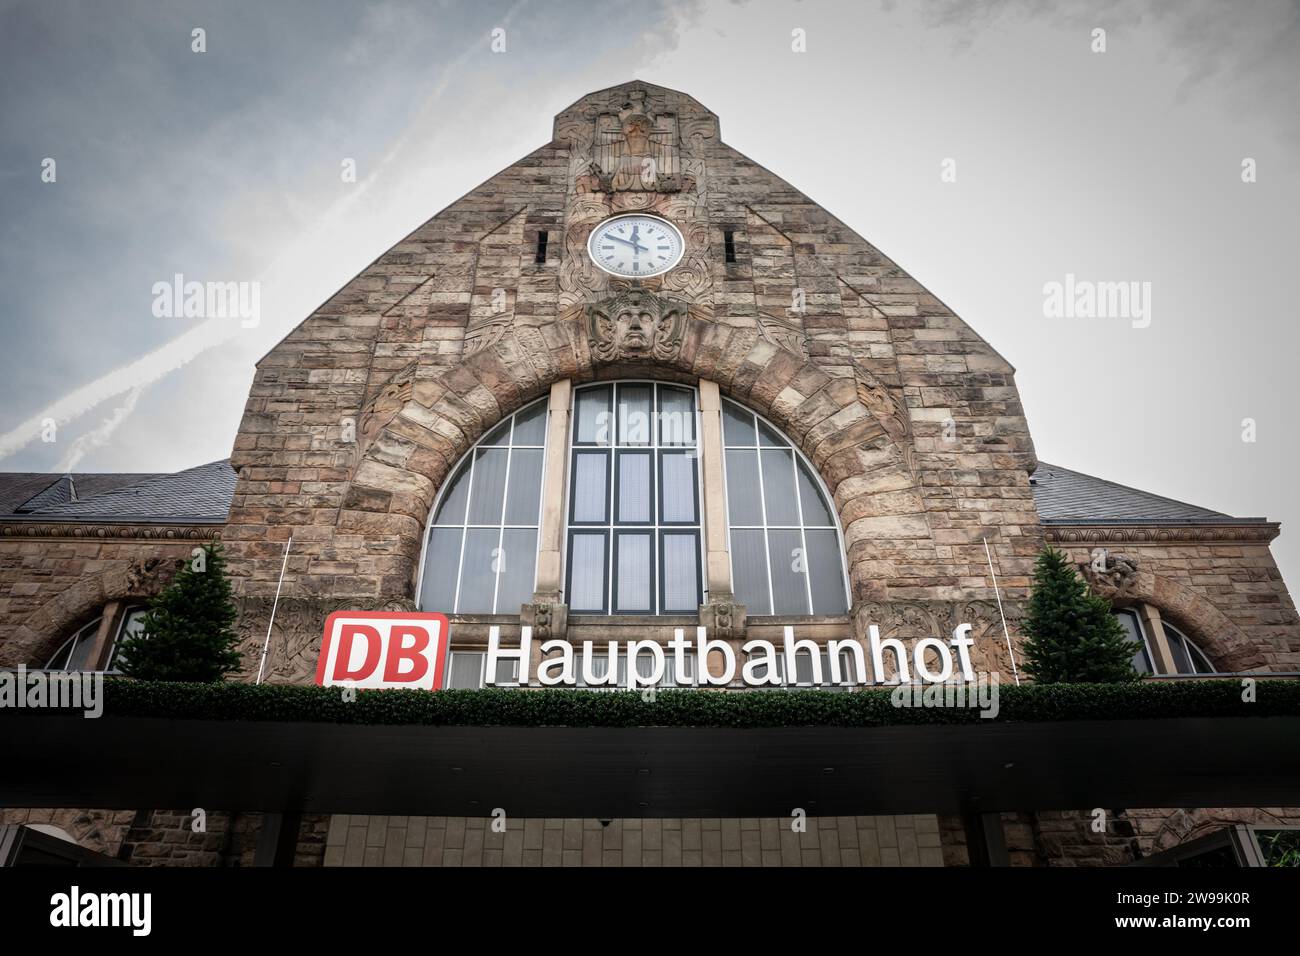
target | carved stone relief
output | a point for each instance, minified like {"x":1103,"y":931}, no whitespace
{"x":636,"y":324}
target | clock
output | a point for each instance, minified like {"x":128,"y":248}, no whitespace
{"x":635,"y":245}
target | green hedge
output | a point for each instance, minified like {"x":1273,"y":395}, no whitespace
{"x":685,"y":708}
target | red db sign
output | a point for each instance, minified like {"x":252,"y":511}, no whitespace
{"x":383,"y":649}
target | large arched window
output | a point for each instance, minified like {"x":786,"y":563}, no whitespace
{"x":785,"y":544}
{"x":481,"y":553}
{"x":629,"y":511}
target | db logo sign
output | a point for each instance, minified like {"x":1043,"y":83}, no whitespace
{"x":383,"y":649}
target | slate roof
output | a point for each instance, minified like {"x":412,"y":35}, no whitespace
{"x":1071,"y":497}
{"x":196,"y":494}
{"x":204,"y":493}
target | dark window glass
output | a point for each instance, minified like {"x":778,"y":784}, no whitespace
{"x":737,"y":425}
{"x":590,"y":486}
{"x":635,"y":497}
{"x":594,"y":424}
{"x":488,"y":489}
{"x":587,"y":572}
{"x":633,"y":577}
{"x":749,"y":570}
{"x":677,"y":486}
{"x":517,"y":566}
{"x":530,"y":426}
{"x":744,"y":501}
{"x":681,"y":555}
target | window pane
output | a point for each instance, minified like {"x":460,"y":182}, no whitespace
{"x":79,"y":659}
{"x":816,"y":513}
{"x":737,"y":425}
{"x":452,"y":509}
{"x":489,"y":489}
{"x":524,"y":493}
{"x":749,"y":568}
{"x":744,"y":506}
{"x":680,"y":564}
{"x":466,"y":670}
{"x":677,"y":487}
{"x":590,"y":486}
{"x":441,"y":563}
{"x":477,"y":575}
{"x":778,"y":487}
{"x":769,"y":437}
{"x":530,"y":425}
{"x":587,"y":572}
{"x":634,"y":494}
{"x":1177,"y":647}
{"x":676,"y":416}
{"x":507,"y":671}
{"x":789,"y":593}
{"x":593,"y":417}
{"x":634,"y":414}
{"x":634,"y":560}
{"x":1141,"y":662}
{"x":826,"y":572}
{"x":1200,"y":663}
{"x":132,"y":625}
{"x":517,"y":566}
{"x":498,"y":436}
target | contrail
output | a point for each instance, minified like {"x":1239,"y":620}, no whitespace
{"x":143,"y":371}
{"x":213,"y":332}
{"x":93,"y":439}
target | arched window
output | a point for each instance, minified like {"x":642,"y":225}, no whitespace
{"x":481,"y":553}
{"x":631,"y":522}
{"x":1188,"y":658}
{"x":74,"y":654}
{"x":785,"y":545}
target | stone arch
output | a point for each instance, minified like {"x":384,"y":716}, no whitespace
{"x":39,"y":634}
{"x":1226,"y":644}
{"x":832,"y":419}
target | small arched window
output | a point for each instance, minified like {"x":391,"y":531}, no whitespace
{"x":74,"y":654}
{"x":785,"y":544}
{"x":1188,"y":658}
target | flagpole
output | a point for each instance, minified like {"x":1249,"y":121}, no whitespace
{"x":988,"y":554}
{"x":266,"y":645}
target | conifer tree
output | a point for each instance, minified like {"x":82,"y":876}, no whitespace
{"x":1072,"y":635}
{"x":187,"y":633}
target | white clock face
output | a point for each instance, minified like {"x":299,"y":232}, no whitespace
{"x":635,"y":246}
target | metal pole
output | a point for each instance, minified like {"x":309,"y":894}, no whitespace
{"x":266,"y":645}
{"x":989,"y":554}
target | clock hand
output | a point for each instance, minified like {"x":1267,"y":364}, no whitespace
{"x":628,"y":242}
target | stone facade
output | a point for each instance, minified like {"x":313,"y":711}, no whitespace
{"x":55,"y":578}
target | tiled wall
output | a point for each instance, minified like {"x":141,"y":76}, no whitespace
{"x":472,"y":841}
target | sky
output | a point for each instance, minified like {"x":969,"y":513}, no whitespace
{"x":1122,"y":165}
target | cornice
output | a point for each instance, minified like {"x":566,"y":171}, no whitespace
{"x":1260,"y":531}
{"x":29,"y":530}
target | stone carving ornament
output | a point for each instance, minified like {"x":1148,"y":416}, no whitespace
{"x":636,"y":150}
{"x":636,"y":324}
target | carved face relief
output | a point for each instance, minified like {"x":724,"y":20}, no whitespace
{"x":635,"y":324}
